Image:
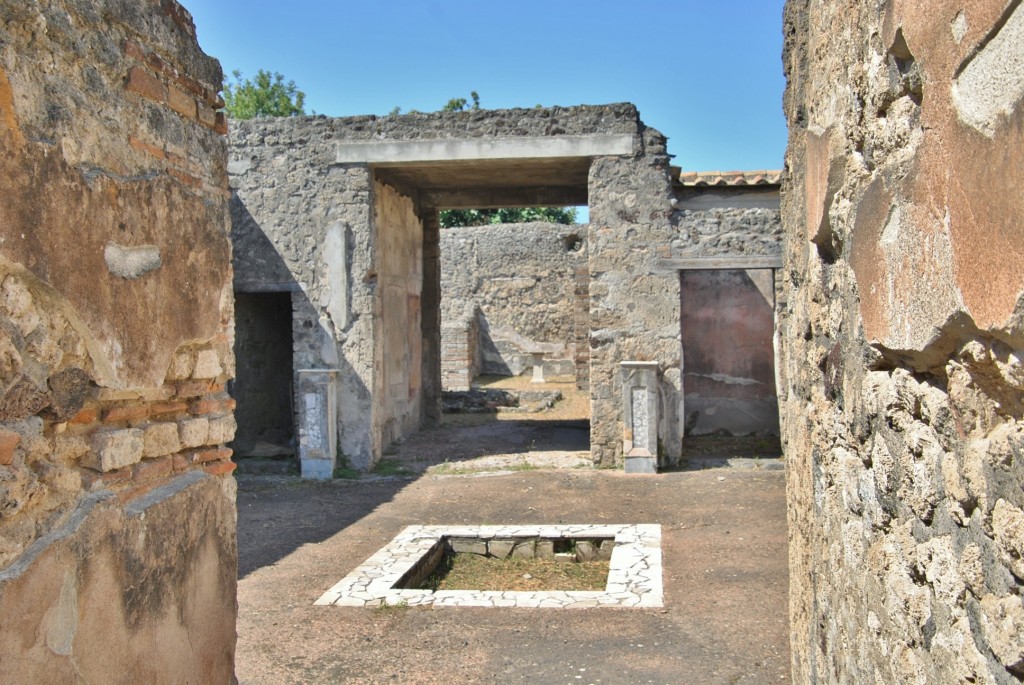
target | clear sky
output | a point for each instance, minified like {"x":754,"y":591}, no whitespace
{"x":706,"y":73}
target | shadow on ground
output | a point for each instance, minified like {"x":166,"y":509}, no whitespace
{"x":725,"y":575}
{"x":278,"y":515}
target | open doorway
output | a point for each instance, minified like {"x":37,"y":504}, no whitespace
{"x":263,"y":377}
{"x":510,"y":327}
{"x":727,"y":323}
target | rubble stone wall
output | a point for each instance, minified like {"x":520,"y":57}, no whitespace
{"x":311,"y":209}
{"x":117,"y":518}
{"x":522,"y":279}
{"x":902,"y":339}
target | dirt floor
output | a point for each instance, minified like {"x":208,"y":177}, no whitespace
{"x":724,"y":549}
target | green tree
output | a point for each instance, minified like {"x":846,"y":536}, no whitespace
{"x":267,"y":95}
{"x":451,"y":218}
{"x":460,"y":104}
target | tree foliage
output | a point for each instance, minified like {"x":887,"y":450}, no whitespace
{"x":451,"y":218}
{"x":266,"y":95}
{"x":460,"y":104}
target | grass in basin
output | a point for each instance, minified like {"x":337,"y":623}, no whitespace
{"x":476,"y":572}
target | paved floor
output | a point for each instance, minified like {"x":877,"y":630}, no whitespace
{"x":725,"y":581}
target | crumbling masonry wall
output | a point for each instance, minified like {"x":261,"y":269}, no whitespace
{"x":117,"y":508}
{"x":902,"y":384}
{"x":520,"y":280}
{"x":306,"y":219}
{"x":318,"y":218}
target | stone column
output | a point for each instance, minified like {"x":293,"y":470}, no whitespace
{"x":640,"y":415}
{"x":318,"y":426}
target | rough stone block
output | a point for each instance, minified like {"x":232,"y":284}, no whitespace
{"x":160,"y":439}
{"x":1002,"y":623}
{"x":526,"y":549}
{"x":545,"y":549}
{"x":1008,"y":527}
{"x":68,"y":392}
{"x":193,"y":432}
{"x":585,"y":551}
{"x":207,"y":365}
{"x":468,"y":546}
{"x":500,"y":549}
{"x":181,"y":366}
{"x":115,"y":449}
{"x":70,"y":447}
{"x":222,"y":429}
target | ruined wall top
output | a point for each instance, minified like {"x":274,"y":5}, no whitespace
{"x":497,"y":123}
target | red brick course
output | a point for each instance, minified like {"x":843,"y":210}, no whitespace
{"x":148,"y":86}
{"x":220,"y":468}
{"x":8,"y":443}
{"x":164,"y":408}
{"x":205,"y":456}
{"x":212,"y":405}
{"x":120,"y":414}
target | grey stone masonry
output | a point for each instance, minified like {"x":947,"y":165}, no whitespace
{"x":521,"y":278}
{"x":343,"y":213}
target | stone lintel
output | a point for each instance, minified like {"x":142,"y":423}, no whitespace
{"x":726,"y":262}
{"x":267,"y":287}
{"x":384,"y":152}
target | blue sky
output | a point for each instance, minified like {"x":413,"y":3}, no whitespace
{"x":706,"y":73}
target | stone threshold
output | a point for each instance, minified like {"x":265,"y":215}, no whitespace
{"x":634,"y":573}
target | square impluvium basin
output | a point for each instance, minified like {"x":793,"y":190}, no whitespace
{"x":634,"y":571}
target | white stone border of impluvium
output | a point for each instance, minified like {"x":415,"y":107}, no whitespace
{"x":634,"y":573}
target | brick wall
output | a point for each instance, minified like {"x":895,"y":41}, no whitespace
{"x":460,"y":362}
{"x":115,"y":346}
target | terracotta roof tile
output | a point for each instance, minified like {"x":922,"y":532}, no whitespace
{"x":728,"y":178}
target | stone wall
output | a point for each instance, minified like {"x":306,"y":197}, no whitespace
{"x":728,"y":315}
{"x":400,"y":280}
{"x":522,"y":279}
{"x":318,"y":219}
{"x":902,"y":330}
{"x":304,"y":219}
{"x":117,"y":536}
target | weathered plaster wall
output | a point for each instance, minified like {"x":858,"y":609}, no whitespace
{"x":400,"y":280}
{"x":728,"y":326}
{"x":117,"y":545}
{"x":902,"y":386}
{"x":522,"y":278}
